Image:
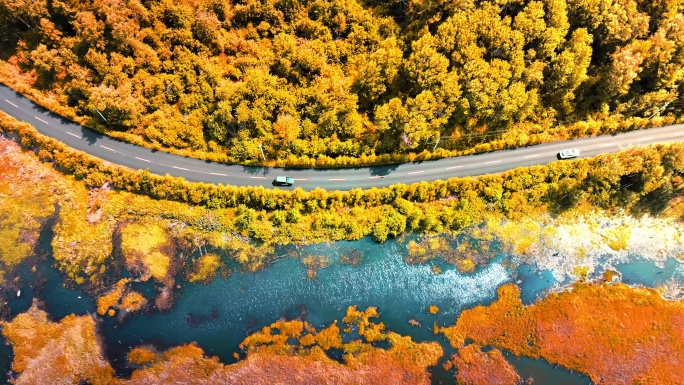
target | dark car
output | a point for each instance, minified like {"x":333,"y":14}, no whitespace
{"x":283,"y":181}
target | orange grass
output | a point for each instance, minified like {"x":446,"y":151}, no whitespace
{"x":139,"y":356}
{"x":187,"y":364}
{"x":133,"y":301}
{"x":614,"y":333}
{"x":475,"y":367}
{"x":66,"y":352}
{"x":272,"y":359}
{"x":286,"y":352}
{"x":120,"y":298}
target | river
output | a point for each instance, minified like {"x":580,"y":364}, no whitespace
{"x":219,"y":315}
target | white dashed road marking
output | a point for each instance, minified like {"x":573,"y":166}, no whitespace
{"x":453,"y":167}
{"x":338,"y":179}
{"x":299,"y":179}
{"x":107,"y":148}
{"x":180,"y":168}
{"x":376,"y":177}
{"x":530,"y":156}
{"x":144,"y":160}
{"x":219,"y":174}
{"x":606,"y":144}
{"x":257,"y":177}
{"x":11,"y":103}
{"x":492,"y":162}
{"x":41,"y":120}
{"x":415,"y":172}
{"x":72,"y":134}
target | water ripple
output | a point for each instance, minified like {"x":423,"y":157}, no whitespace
{"x":382,"y":279}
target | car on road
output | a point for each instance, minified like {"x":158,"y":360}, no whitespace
{"x":569,"y":154}
{"x":283,"y":181}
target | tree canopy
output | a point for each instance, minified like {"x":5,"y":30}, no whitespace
{"x":344,"y":78}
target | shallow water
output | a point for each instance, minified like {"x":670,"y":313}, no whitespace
{"x":219,"y":315}
{"x":648,"y":273}
{"x":544,"y":373}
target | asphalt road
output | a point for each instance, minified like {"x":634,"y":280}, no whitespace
{"x":196,"y":170}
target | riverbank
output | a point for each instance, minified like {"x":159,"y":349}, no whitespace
{"x":102,"y":230}
{"x":69,"y":350}
{"x":359,"y":348}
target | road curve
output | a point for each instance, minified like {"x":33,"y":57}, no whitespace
{"x":197,"y":170}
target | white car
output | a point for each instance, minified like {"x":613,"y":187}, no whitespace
{"x":569,"y":154}
{"x":283,"y":181}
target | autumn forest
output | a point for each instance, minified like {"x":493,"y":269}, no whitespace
{"x":333,"y":81}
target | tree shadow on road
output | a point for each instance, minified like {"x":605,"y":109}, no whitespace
{"x":383,"y":170}
{"x":256,"y":170}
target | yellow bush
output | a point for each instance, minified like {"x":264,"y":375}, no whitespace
{"x":617,"y":238}
{"x":581,"y":272}
{"x":132,"y":301}
{"x":206,"y":268}
{"x":145,"y":243}
{"x":111,"y":299}
{"x":143,"y":237}
{"x":157,"y":264}
{"x":465,"y":265}
{"x":329,"y":337}
{"x":141,"y":356}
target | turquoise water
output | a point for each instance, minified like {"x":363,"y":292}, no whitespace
{"x":219,"y":315}
{"x":535,"y":284}
{"x":544,"y":373}
{"x":647,"y":273}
